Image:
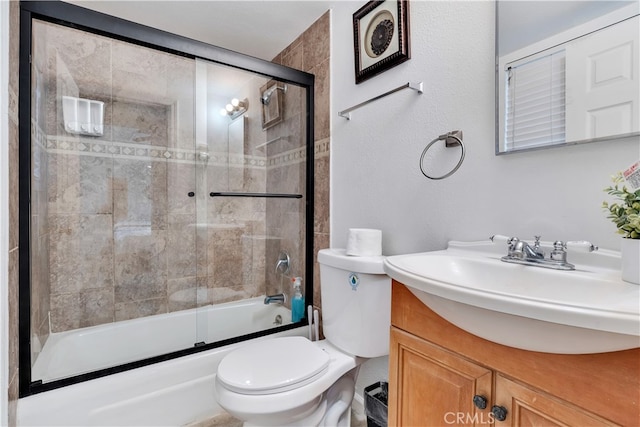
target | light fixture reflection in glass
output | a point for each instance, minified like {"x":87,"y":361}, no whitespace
{"x":235,"y":108}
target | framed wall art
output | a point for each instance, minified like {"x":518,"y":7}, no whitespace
{"x":380,"y":36}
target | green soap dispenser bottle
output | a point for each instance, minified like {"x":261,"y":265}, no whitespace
{"x":297,"y":302}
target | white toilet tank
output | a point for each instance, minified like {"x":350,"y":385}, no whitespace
{"x":356,"y":302}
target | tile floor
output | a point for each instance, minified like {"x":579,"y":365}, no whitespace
{"x":225,"y":420}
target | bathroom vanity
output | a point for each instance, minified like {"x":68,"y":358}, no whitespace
{"x":442,"y":375}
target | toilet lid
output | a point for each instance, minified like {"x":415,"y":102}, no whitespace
{"x":272,"y":366}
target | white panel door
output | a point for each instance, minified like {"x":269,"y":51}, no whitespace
{"x":602,"y":83}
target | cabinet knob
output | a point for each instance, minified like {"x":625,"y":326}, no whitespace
{"x":480,"y":401}
{"x":499,"y":412}
{"x":191,"y":194}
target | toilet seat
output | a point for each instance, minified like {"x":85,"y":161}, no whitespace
{"x":272,"y":366}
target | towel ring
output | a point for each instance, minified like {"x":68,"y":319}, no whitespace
{"x":458,"y":141}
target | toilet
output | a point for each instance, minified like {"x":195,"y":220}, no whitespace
{"x":291,"y":381}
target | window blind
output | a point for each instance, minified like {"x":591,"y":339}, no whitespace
{"x":535,"y":101}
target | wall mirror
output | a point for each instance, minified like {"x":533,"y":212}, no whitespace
{"x":566,"y":72}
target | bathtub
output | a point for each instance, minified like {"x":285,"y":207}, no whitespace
{"x":171,"y":393}
{"x":88,"y":349}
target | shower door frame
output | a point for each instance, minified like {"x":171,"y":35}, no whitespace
{"x":77,"y":17}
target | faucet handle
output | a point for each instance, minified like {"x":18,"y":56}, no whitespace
{"x":536,"y":243}
{"x":499,"y":238}
{"x":581,"y":246}
{"x":558,"y":253}
{"x":536,"y":246}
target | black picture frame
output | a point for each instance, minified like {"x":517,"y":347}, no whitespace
{"x":380,"y":37}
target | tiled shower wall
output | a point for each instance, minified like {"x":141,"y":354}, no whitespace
{"x":128,"y":188}
{"x":310,"y":52}
{"x":124,"y":238}
{"x":114,"y":208}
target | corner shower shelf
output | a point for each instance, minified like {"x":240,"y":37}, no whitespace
{"x":413,"y":86}
{"x":270,"y":195}
{"x":279,"y":138}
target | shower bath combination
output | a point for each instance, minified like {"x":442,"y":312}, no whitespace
{"x":154,"y":211}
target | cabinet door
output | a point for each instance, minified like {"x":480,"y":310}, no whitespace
{"x":429,"y":386}
{"x":528,"y":407}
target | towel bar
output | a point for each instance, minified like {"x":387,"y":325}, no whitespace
{"x":414,"y":86}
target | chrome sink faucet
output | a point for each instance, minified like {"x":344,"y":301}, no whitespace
{"x":520,"y":249}
{"x":520,"y":252}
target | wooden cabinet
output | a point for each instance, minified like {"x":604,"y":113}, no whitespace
{"x":440,"y":375}
{"x":433,"y":386}
{"x":529,"y":407}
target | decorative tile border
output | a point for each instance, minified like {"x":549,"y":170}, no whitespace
{"x":101,"y":148}
{"x":38,"y":136}
{"x":96,"y":147}
{"x":287,"y":158}
{"x":322,"y":148}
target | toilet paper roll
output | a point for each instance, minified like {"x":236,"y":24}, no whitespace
{"x":364,"y":242}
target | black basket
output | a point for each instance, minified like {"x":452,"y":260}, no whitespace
{"x":375,"y":404}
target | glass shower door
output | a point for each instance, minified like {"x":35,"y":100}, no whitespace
{"x":160,"y":195}
{"x":254,"y":141}
{"x":113,"y":206}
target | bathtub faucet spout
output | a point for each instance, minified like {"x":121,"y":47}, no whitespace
{"x":275,"y":299}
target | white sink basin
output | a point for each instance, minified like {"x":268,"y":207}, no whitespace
{"x":588,"y":310}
